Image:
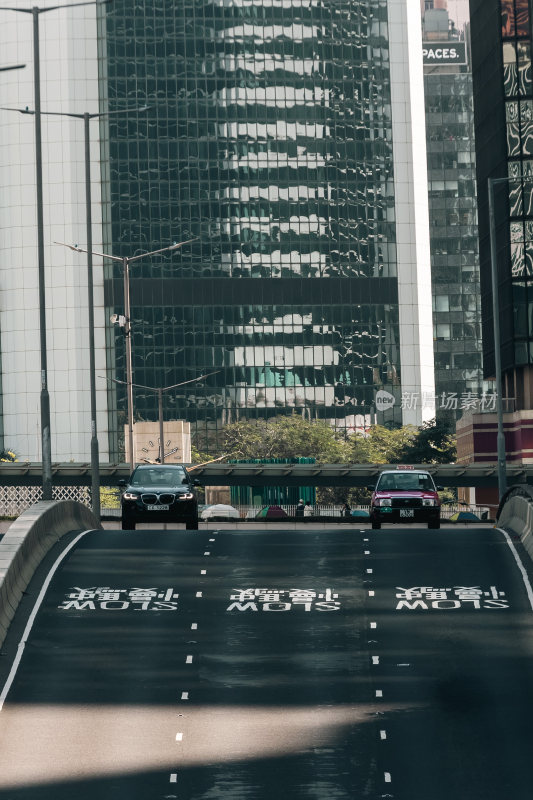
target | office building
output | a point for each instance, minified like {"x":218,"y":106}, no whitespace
{"x":452,"y":209}
{"x":503,"y":102}
{"x":287,"y":138}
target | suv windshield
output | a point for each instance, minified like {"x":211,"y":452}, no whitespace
{"x":405,"y":481}
{"x":168,"y":476}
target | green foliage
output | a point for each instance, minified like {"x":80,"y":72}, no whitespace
{"x":284,"y":437}
{"x":199,"y":457}
{"x":109,"y":497}
{"x":382,"y":445}
{"x":435,"y":443}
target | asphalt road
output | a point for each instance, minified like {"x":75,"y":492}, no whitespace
{"x":249,"y":665}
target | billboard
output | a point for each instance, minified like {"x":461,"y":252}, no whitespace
{"x":438,"y":53}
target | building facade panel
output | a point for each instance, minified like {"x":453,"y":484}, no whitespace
{"x":69,"y":83}
{"x":285,"y":137}
{"x":279,"y":157}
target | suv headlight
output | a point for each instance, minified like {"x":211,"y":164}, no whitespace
{"x":429,"y":502}
{"x":130,"y":496}
{"x":186,"y":496}
{"x":385,"y":501}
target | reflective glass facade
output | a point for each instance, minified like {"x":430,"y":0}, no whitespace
{"x":453,"y":222}
{"x":269,"y":140}
{"x":501,"y":46}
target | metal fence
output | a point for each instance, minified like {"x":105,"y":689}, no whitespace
{"x":16,"y":499}
{"x":447,"y":511}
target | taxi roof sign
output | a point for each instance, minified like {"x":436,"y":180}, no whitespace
{"x":404,"y":466}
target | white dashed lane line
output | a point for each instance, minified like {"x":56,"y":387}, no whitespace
{"x":173,"y":778}
{"x":375,"y":661}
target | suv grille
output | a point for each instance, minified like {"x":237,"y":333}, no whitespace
{"x":156,"y":499}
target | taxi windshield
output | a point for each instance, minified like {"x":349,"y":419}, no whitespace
{"x":405,"y":481}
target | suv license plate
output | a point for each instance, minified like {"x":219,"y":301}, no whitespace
{"x":158,"y":508}
{"x":407,"y":512}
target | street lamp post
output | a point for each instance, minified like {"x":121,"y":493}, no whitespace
{"x":87,"y":117}
{"x":126,"y":321}
{"x":159,"y":390}
{"x":46,"y":442}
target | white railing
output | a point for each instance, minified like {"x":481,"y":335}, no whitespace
{"x":14,"y":500}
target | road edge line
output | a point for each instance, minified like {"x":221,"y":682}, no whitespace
{"x":31,"y":619}
{"x":521,"y":567}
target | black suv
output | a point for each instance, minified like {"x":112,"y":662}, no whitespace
{"x":159,"y":493}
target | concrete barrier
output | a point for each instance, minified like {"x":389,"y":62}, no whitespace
{"x":515,"y":514}
{"x":26,"y":543}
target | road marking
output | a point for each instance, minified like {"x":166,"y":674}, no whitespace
{"x":211,"y":540}
{"x":371,"y":593}
{"x":370,"y":571}
{"x":525,"y":577}
{"x":383,"y":734}
{"x":203,"y":572}
{"x":375,"y":659}
{"x":31,"y":620}
{"x":379,"y":693}
{"x":365,"y":540}
{"x":367,"y":552}
{"x":188,"y":660}
{"x":207,"y":553}
{"x":373,"y":624}
{"x":179,"y":737}
{"x":173,"y":777}
{"x":185,"y":695}
{"x":388,"y":778}
{"x":198,"y":594}
{"x":194,"y":626}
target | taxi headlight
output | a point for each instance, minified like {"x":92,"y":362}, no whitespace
{"x":429,"y":502}
{"x":385,"y":501}
{"x":130,"y":496}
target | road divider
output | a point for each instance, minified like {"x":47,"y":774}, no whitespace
{"x":515,"y":514}
{"x":27,"y":542}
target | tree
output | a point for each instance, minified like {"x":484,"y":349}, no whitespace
{"x":435,"y":443}
{"x":382,"y":445}
{"x":284,"y":437}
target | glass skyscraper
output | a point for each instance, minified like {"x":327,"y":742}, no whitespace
{"x":452,"y":211}
{"x":503,"y":91}
{"x":286,"y":139}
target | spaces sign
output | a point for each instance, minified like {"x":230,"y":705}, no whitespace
{"x":437,"y":53}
